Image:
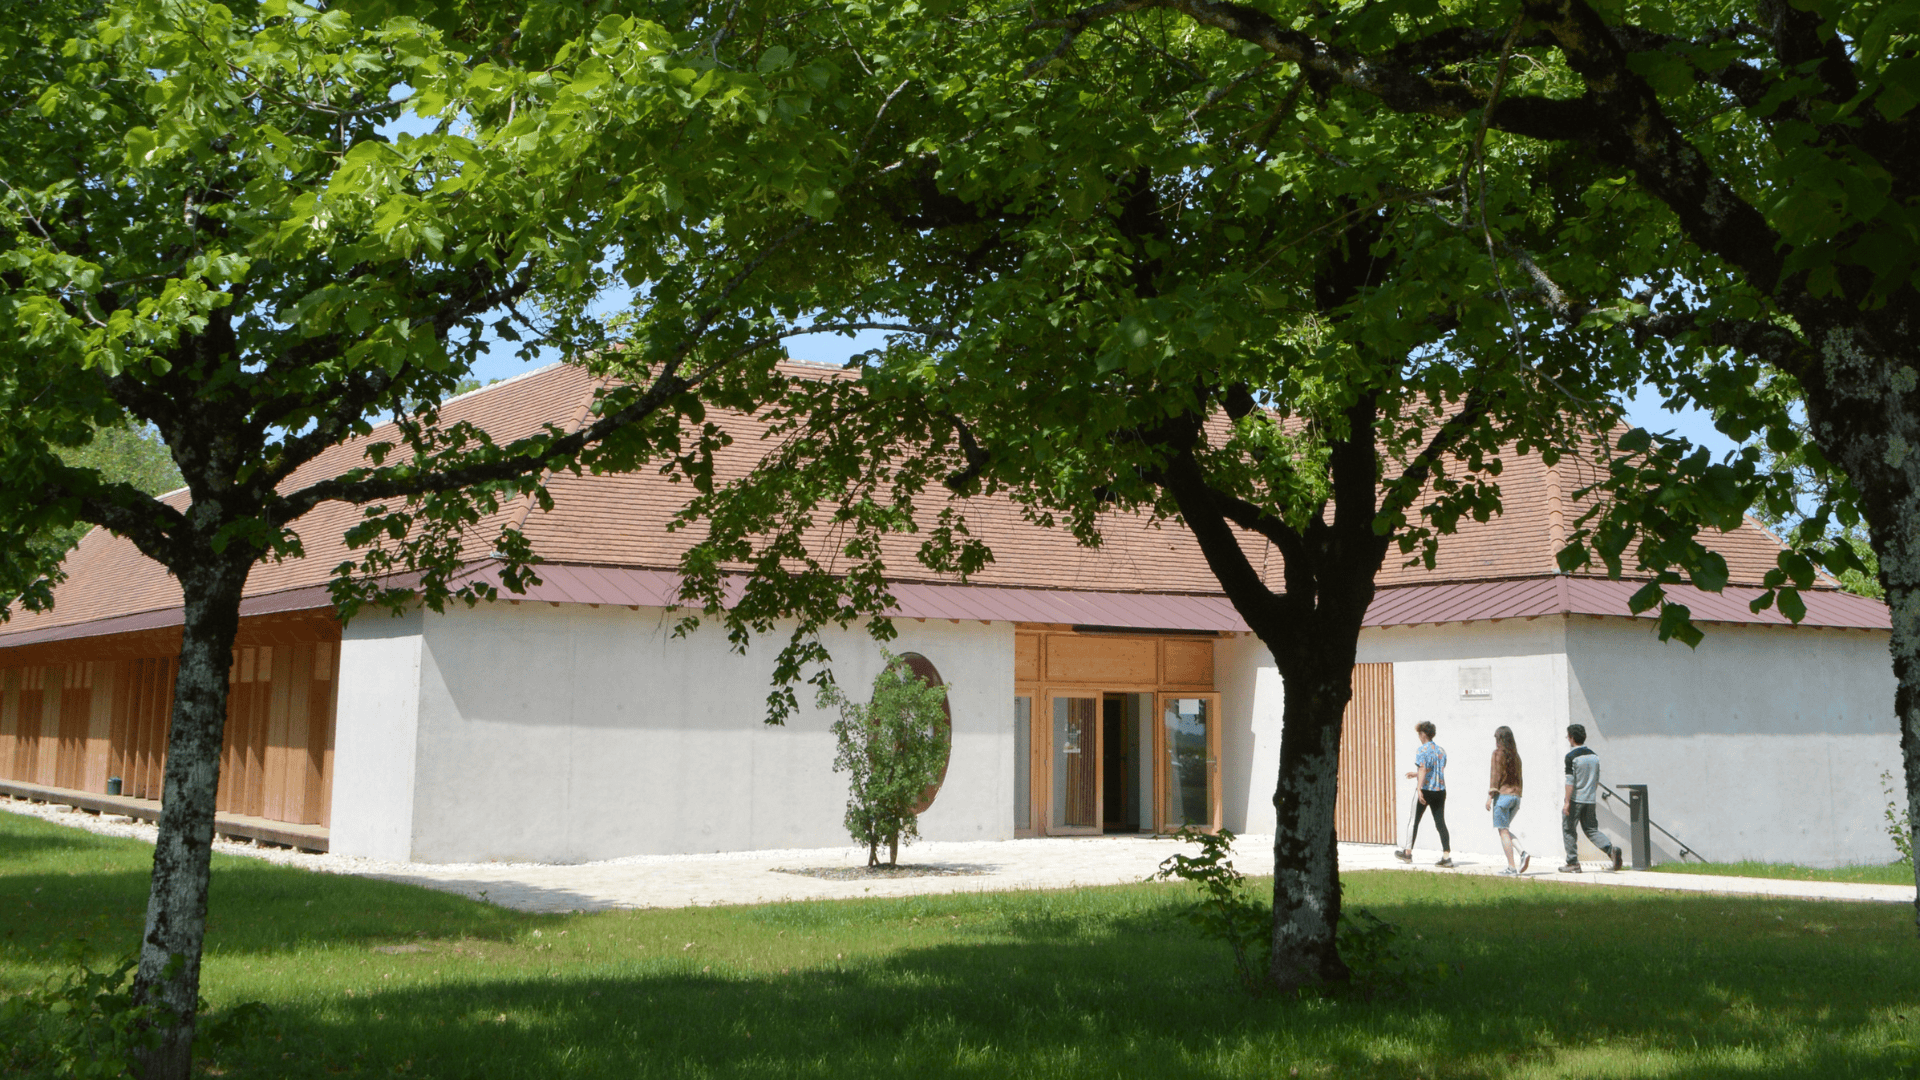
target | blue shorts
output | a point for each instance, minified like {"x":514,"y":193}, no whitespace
{"x":1504,"y":808}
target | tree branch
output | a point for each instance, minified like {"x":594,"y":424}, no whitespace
{"x":1205,"y":512}
{"x":1771,"y":344}
{"x":1619,"y":115}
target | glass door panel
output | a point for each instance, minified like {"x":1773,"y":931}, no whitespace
{"x":1023,"y":763}
{"x":1190,"y":768}
{"x":1076,"y":765}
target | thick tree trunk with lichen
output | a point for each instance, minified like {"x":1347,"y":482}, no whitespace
{"x":1863,"y":408}
{"x":169,"y":972}
{"x":1306,"y":864}
{"x":1906,"y":696}
{"x":1313,"y":633}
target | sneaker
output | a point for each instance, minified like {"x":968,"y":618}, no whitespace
{"x":1525,"y":861}
{"x":1571,"y":868}
{"x":1446,"y":861}
{"x":1404,"y":855}
{"x":1509,"y":872}
{"x":1616,"y":858}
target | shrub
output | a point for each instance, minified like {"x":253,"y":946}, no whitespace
{"x":82,"y":1024}
{"x":1899,"y":822}
{"x":892,"y":749}
{"x":1227,"y":911}
{"x":85,"y":1023}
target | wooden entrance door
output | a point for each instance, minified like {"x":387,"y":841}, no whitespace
{"x":1073,"y":764}
{"x":1187,"y":762}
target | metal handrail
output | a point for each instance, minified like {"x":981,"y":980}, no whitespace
{"x":1608,"y":793}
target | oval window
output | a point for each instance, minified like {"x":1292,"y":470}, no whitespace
{"x":923,"y":667}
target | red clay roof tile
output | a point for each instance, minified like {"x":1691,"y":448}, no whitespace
{"x":619,"y":521}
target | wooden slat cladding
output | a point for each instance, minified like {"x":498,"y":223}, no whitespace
{"x":1364,"y":813}
{"x":76,"y":717}
{"x":142,"y":711}
{"x":99,"y":751}
{"x":78,"y":723}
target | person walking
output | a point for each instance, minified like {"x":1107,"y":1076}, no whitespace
{"x":1430,"y":767}
{"x":1583,"y":791}
{"x":1503,"y":796}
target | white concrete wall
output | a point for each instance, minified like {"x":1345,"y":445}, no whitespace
{"x":1527,"y":662}
{"x":376,"y":728}
{"x":1529,"y":695}
{"x":547,"y":733}
{"x":562,"y":734}
{"x":1764,"y":743}
{"x":1251,"y":700}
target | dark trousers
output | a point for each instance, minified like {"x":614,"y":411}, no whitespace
{"x":1436,"y":802}
{"x":1584,"y":816}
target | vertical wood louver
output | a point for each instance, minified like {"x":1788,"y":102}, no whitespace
{"x":1365,"y":809}
{"x":74,"y":725}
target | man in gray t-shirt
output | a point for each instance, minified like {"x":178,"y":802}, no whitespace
{"x":1583,"y":791}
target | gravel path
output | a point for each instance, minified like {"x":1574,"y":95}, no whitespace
{"x":756,"y":877}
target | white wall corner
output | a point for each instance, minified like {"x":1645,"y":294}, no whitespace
{"x":376,"y":737}
{"x":1252,"y":701}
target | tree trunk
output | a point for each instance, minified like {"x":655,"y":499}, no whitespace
{"x":169,"y":973}
{"x":1906,"y":698}
{"x":893,"y":849}
{"x":1306,"y":863}
{"x":1863,"y":408}
{"x":1898,"y":547}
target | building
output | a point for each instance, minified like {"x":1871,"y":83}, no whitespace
{"x":1110,"y":690}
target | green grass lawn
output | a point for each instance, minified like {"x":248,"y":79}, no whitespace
{"x":376,"y":979}
{"x":1888,"y":874}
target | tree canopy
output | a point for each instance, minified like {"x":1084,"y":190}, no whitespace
{"x":1138,"y":281}
{"x":1207,"y":259}
{"x":208,"y":226}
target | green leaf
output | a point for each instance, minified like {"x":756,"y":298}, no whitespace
{"x":774,"y":59}
{"x":1710,"y":573}
{"x":1791,"y":605}
{"x":1668,"y":74}
{"x":1645,"y":597}
{"x":1899,"y":87}
{"x":141,"y":144}
{"x":1676,"y":623}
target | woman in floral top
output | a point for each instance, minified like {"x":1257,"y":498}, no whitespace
{"x":1430,"y":767}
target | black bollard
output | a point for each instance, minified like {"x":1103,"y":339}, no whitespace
{"x":1639,"y":839}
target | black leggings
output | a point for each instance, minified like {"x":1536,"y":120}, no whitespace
{"x":1436,"y":802}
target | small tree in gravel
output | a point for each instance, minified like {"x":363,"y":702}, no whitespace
{"x":893,"y":748}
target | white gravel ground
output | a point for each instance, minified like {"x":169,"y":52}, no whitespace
{"x":754,"y":877}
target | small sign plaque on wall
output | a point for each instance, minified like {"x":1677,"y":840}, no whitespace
{"x":1476,"y":683}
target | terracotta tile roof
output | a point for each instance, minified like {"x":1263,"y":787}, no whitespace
{"x":107,"y":577}
{"x":618,"y":521}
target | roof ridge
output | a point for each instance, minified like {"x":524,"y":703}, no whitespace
{"x":1556,"y":514}
{"x":501,"y":383}
{"x":594,"y":383}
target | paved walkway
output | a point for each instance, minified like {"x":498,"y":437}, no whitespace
{"x":757,"y":877}
{"x":994,"y":866}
